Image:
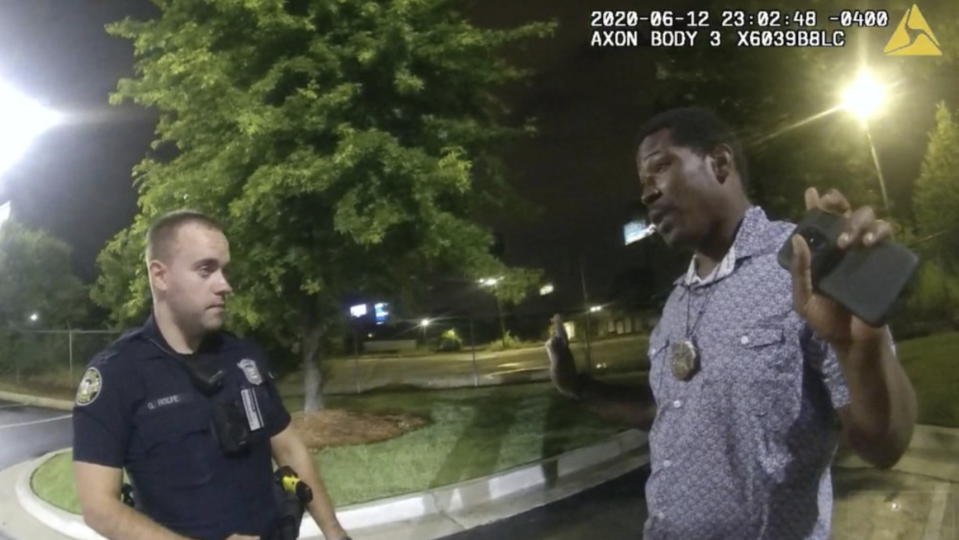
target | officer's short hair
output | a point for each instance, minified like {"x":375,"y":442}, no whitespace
{"x":162,"y":233}
{"x":699,"y":129}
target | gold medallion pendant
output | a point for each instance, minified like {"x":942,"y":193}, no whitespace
{"x":685,"y":360}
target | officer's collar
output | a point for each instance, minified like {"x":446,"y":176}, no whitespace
{"x":152,"y":330}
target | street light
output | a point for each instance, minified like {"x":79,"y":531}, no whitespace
{"x":864,"y":98}
{"x":34,"y":317}
{"x":23,"y":120}
{"x":492,"y":282}
{"x":424,"y":323}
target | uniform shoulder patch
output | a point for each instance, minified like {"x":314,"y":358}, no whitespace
{"x":90,"y":385}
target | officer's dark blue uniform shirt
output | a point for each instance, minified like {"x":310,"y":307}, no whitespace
{"x":137,"y":409}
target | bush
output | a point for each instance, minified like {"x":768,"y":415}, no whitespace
{"x":931,"y":304}
{"x":511,"y":343}
{"x":450,"y":341}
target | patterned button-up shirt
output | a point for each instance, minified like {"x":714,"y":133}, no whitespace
{"x":742,"y":450}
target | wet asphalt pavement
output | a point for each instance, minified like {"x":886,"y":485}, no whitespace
{"x":616,"y":509}
{"x":30,"y":432}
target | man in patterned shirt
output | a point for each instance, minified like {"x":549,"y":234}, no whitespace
{"x":753,"y":375}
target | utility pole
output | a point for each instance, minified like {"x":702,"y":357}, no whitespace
{"x":582,"y":275}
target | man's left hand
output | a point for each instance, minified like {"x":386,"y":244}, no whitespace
{"x":831,"y":321}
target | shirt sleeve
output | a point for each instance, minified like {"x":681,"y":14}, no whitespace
{"x":279,"y":417}
{"x":102,"y":412}
{"x":821,"y":357}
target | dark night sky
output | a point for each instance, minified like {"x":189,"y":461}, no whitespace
{"x":76,"y":181}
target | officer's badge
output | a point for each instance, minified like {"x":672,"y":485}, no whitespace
{"x":251,"y":371}
{"x":89,"y":387}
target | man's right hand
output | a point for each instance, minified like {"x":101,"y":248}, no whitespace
{"x":562,"y":367}
{"x":242,"y":537}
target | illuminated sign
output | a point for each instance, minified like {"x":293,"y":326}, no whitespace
{"x":636,"y":230}
{"x":381,"y":312}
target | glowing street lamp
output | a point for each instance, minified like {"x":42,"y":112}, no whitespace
{"x":23,"y":121}
{"x":492,"y":282}
{"x":864,"y":98}
{"x":424,"y":323}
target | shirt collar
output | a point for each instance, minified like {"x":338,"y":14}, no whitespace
{"x":751,"y":238}
{"x":151,"y":329}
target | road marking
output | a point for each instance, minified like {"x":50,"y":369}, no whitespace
{"x":937,"y":513}
{"x":32,"y":422}
{"x":520,"y":370}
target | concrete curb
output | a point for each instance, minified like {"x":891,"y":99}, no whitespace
{"x":27,"y":399}
{"x":935,"y":438}
{"x":63,"y":522}
{"x":448,"y":503}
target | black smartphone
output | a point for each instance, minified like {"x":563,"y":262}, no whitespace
{"x":868,"y":281}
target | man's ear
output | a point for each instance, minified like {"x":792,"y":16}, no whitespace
{"x":158,"y":274}
{"x":722,"y":162}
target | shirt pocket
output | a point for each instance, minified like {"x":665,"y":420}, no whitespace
{"x":765,"y":351}
{"x":755,"y":377}
{"x":180,"y":449}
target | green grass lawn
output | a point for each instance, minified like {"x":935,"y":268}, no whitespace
{"x":932,"y":364}
{"x":473,"y":433}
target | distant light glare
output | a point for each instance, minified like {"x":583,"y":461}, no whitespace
{"x":425,"y":322}
{"x":23,"y":120}
{"x":864,"y":97}
{"x":5,"y":211}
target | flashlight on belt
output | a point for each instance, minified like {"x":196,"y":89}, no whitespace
{"x":292,"y":484}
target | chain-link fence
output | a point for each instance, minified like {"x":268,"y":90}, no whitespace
{"x":445,"y":352}
{"x":49,"y":359}
{"x":452,"y":352}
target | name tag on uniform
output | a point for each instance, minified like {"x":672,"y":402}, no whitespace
{"x":253,"y":414}
{"x":169,"y":401}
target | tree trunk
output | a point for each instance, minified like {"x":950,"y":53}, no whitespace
{"x":311,"y":332}
{"x":313,"y":378}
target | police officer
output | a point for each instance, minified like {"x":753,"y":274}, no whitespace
{"x":191,"y":412}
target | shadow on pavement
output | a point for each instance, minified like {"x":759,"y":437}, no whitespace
{"x":616,"y":509}
{"x":489,"y":425}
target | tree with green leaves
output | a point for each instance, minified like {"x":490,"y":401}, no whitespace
{"x":347,"y":147}
{"x":35,"y":279}
{"x":936,"y":199}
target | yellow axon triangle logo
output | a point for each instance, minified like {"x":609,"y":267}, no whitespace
{"x":913,"y":37}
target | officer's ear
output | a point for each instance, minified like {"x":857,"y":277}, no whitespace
{"x":158,"y":274}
